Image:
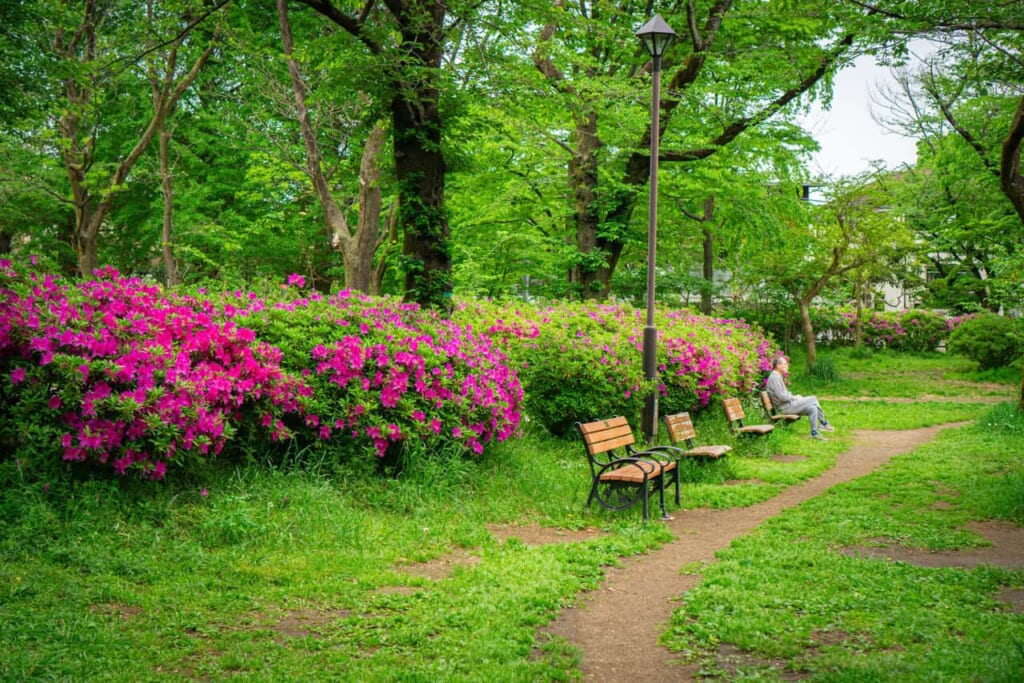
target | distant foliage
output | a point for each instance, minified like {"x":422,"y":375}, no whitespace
{"x":911,"y":330}
{"x":990,"y":340}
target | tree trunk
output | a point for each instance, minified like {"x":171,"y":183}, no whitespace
{"x":386,"y":247}
{"x":708,"y":270}
{"x":420,"y":170}
{"x":358,"y":251}
{"x":591,"y":273}
{"x":808,"y":331}
{"x":1020,"y":404}
{"x":419,"y":160}
{"x":858,"y":321}
{"x":1010,"y":176}
{"x":167,"y":248}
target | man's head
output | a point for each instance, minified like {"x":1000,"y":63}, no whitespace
{"x":781,"y":363}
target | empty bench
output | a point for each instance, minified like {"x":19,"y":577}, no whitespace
{"x":681,"y":431}
{"x":735,"y":416}
{"x":621,"y":475}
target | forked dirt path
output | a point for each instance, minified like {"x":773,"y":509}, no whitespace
{"x":617,"y":626}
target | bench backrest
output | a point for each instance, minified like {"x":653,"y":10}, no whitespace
{"x":733,"y":410}
{"x":680,"y":428}
{"x":605,"y":436}
{"x":766,"y":401}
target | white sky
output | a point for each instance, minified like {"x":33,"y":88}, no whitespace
{"x":849,"y":138}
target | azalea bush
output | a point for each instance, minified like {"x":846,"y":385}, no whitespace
{"x":388,"y":378}
{"x":111,"y":372}
{"x":583,"y":361}
{"x":119,"y":375}
{"x":911,"y":330}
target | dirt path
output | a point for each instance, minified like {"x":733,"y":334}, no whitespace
{"x":618,"y":626}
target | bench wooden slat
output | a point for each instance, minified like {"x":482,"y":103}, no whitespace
{"x":635,"y":474}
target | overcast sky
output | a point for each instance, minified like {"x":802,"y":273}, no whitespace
{"x":849,"y":138}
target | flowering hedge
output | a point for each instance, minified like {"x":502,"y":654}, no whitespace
{"x":123,"y":376}
{"x":387,"y":376}
{"x":911,"y":330}
{"x":118,"y":374}
{"x":583,"y":361}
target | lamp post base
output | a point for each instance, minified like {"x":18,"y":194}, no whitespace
{"x":649,"y":420}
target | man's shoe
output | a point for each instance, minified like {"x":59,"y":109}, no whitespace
{"x":819,"y":437}
{"x":827,"y":428}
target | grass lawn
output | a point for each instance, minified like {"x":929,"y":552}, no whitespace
{"x":315,"y":572}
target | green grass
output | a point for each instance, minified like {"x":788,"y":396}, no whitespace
{"x":786,"y":593}
{"x":883,"y":373}
{"x":307,"y":572}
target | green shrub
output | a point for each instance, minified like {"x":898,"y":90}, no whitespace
{"x":582,"y":361}
{"x":990,"y":340}
{"x":922,"y":331}
{"x":824,"y":370}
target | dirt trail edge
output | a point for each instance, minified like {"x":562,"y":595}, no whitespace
{"x":617,"y":626}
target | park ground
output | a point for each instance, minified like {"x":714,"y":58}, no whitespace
{"x":891,"y":552}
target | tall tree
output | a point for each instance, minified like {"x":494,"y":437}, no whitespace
{"x":406,"y":40}
{"x":738,"y":66}
{"x":87,"y":42}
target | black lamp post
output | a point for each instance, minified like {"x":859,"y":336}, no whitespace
{"x":656,"y":36}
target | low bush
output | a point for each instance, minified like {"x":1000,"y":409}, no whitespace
{"x":112,"y":373}
{"x":990,"y":340}
{"x":120,"y":376}
{"x":580,"y":362}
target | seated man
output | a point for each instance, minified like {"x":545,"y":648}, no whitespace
{"x":795,"y":404}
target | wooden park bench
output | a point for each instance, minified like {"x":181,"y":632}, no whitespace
{"x":681,"y":431}
{"x":734,"y":415}
{"x":620,"y":474}
{"x":776,"y":417}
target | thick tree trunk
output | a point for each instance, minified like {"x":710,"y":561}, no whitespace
{"x":420,"y":170}
{"x":591,"y":274}
{"x":1010,"y":176}
{"x":419,"y":161}
{"x":359,"y":249}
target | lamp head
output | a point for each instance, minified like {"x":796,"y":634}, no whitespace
{"x":656,"y":36}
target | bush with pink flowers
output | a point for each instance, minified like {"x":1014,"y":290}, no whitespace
{"x":117,"y":374}
{"x":390,"y":379}
{"x":122,"y":376}
{"x":113,"y":373}
{"x":909,"y":330}
{"x":582,"y":361}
